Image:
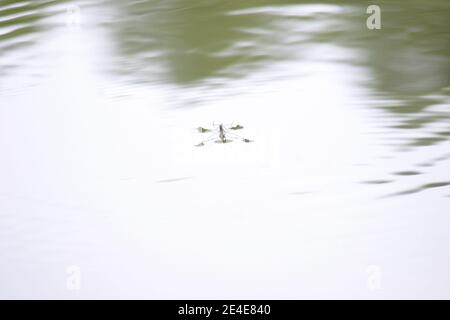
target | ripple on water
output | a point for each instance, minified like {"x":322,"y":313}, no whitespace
{"x":421,"y":188}
{"x":407,"y":173}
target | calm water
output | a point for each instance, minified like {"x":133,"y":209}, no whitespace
{"x":347,"y":180}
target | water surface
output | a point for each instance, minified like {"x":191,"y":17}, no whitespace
{"x":349,"y":168}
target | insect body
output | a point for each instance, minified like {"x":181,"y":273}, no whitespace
{"x":222,"y":134}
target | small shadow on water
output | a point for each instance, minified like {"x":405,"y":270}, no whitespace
{"x":427,"y":141}
{"x":419,"y":189}
{"x":425,"y":164}
{"x":173,"y":180}
{"x":377,"y":181}
{"x":433,"y":161}
{"x":407,"y":173}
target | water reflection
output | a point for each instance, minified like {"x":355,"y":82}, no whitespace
{"x":208,"y":46}
{"x":185,"y":45}
{"x":215,"y":43}
{"x":20,"y":25}
{"x":207,"y":51}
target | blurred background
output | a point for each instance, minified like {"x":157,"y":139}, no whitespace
{"x":343,"y":193}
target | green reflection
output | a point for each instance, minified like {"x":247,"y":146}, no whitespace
{"x":20,"y":23}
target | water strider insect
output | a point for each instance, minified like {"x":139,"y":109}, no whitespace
{"x":222,"y":134}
